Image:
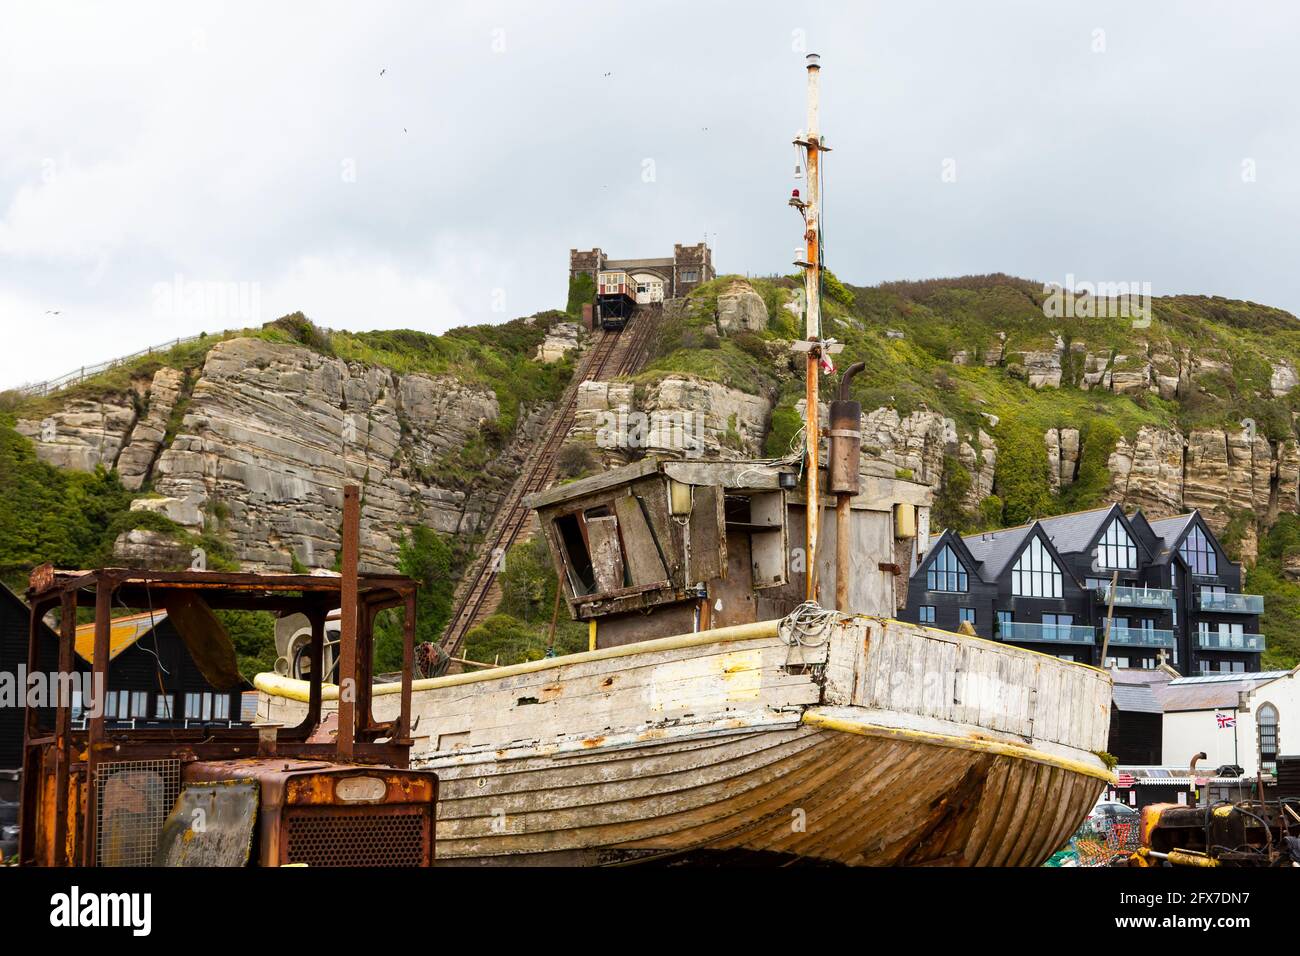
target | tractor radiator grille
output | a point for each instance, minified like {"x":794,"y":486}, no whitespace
{"x":133,"y":798}
{"x":377,"y":836}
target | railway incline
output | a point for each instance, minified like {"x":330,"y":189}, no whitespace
{"x":614,"y":353}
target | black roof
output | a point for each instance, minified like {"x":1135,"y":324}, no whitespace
{"x":1073,"y":533}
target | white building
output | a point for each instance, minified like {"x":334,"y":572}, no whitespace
{"x":1241,"y":719}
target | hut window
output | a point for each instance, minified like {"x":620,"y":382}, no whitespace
{"x":163,"y":707}
{"x":577,"y":557}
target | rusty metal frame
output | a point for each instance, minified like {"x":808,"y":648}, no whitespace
{"x":66,"y":754}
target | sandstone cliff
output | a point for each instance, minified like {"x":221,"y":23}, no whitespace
{"x":269,"y":434}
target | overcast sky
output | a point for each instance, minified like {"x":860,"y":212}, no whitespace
{"x":146,"y":147}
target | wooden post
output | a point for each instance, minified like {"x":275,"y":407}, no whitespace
{"x":843,"y":536}
{"x":348,"y":621}
{"x":812,"y":291}
{"x":1110,"y":613}
{"x":555,"y":617}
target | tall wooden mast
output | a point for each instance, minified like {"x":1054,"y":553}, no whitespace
{"x":812,"y":145}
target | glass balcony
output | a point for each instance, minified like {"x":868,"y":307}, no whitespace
{"x":1151,"y":598}
{"x":1231,"y":603}
{"x":1047,"y":633}
{"x":1220,"y":641}
{"x":1140,"y":637}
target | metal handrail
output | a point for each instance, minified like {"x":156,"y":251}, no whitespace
{"x":1219,"y":641}
{"x":86,"y":371}
{"x":1141,"y":637}
{"x":1050,"y":633}
{"x":1231,"y":603}
{"x":1129,"y":596}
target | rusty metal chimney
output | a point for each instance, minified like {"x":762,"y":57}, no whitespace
{"x":846,"y":436}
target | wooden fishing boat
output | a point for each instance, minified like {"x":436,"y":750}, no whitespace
{"x":873,"y":742}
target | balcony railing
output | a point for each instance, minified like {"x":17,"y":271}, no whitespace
{"x":1047,"y":633}
{"x":1151,"y":598}
{"x":1140,"y":637}
{"x":1219,"y":641}
{"x":1231,"y":603}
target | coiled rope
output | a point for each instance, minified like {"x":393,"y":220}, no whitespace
{"x":808,"y":625}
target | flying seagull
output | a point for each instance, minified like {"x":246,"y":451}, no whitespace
{"x":383,"y":71}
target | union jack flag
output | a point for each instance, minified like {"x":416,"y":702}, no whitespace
{"x":1225,"y":722}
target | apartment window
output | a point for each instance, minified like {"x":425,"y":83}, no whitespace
{"x":1093,"y":584}
{"x":1266,"y":724}
{"x":1199,"y":554}
{"x":1120,"y":663}
{"x":1065,"y":657}
{"x":966,"y":614}
{"x":1036,"y":574}
{"x":1057,"y":625}
{"x":1116,"y":549}
{"x":1004,"y":618}
{"x":946,"y":572}
{"x":927,"y":614}
{"x":163,"y":707}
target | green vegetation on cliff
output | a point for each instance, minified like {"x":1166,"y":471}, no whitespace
{"x":519,"y":630}
{"x":63,"y":517}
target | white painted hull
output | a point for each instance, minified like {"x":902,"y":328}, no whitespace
{"x":744,"y":745}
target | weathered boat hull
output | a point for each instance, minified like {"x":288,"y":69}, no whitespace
{"x":733,"y":743}
{"x":805,"y":792}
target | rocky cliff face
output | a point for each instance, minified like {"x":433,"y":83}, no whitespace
{"x":269,"y":435}
{"x":1219,"y":472}
{"x":676,"y":417}
{"x":1154,"y":368}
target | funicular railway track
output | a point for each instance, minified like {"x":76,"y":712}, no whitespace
{"x":614,"y":353}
